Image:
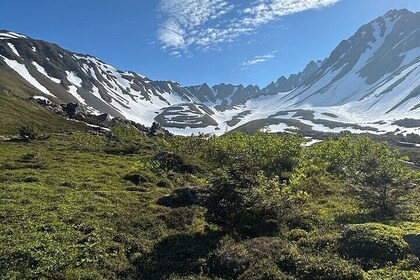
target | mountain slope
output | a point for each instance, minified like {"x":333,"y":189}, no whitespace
{"x":370,"y":82}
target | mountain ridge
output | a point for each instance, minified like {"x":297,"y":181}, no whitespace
{"x":371,"y":77}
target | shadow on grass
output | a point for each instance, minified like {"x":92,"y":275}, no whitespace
{"x":182,"y":254}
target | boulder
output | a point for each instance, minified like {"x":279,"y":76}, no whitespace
{"x":74,"y":110}
{"x":157,"y":129}
{"x":103,"y":118}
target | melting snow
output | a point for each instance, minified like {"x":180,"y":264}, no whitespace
{"x":77,"y":83}
{"x":24,"y":73}
{"x":43,"y":72}
{"x":13,"y":49}
{"x":10,"y":35}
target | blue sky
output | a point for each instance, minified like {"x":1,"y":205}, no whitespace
{"x":196,"y":41}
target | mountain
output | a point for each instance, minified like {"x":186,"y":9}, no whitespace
{"x":369,"y":83}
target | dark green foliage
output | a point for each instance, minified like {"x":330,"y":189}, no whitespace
{"x":373,"y":244}
{"x":32,"y":132}
{"x":182,"y":218}
{"x":255,"y":207}
{"x":264,"y":270}
{"x":174,"y":162}
{"x":264,"y":152}
{"x":183,"y":197}
{"x":378,"y":174}
{"x":85,"y":206}
{"x":327,"y":267}
{"x":126,"y":133}
{"x":392,"y":274}
{"x":232,"y":259}
{"x":138,"y":178}
{"x":250,"y":194}
{"x":164,"y":183}
{"x":272,"y":257}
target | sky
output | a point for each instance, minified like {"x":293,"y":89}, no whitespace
{"x":197,"y":41}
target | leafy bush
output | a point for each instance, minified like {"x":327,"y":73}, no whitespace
{"x":182,"y":218}
{"x":88,"y":142}
{"x":252,"y":206}
{"x":232,"y":259}
{"x":273,"y":155}
{"x":327,"y":267}
{"x":392,"y":274}
{"x":264,"y":270}
{"x":183,"y":197}
{"x":272,"y":258}
{"x":126,"y":133}
{"x":373,"y":244}
{"x":138,"y":178}
{"x":250,"y":193}
{"x":321,"y":241}
{"x":32,"y":132}
{"x":164,"y":183}
{"x":378,"y":173}
{"x":174,"y":162}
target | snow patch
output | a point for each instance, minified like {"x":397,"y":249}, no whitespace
{"x":13,"y":49}
{"x":43,"y":72}
{"x":24,"y":73}
{"x":77,"y":83}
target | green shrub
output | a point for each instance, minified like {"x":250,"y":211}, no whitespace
{"x":379,"y":174}
{"x":233,"y":259}
{"x":126,"y":133}
{"x":264,"y":270}
{"x":88,"y":142}
{"x":252,"y":205}
{"x":32,"y":132}
{"x":174,"y":162}
{"x":141,"y":177}
{"x":269,"y":153}
{"x":373,"y":244}
{"x":392,"y":274}
{"x":182,"y":218}
{"x":164,"y":183}
{"x":327,"y":267}
{"x":296,"y":234}
{"x":184,"y":197}
{"x":319,"y":240}
{"x":272,"y":257}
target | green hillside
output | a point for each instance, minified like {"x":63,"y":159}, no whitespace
{"x":83,"y":206}
{"x":17,"y":111}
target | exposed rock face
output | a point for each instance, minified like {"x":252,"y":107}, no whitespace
{"x":74,"y":110}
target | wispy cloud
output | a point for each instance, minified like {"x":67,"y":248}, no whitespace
{"x":204,"y":24}
{"x":258,"y":59}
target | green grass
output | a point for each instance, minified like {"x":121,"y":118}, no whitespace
{"x":66,"y":212}
{"x":76,"y":212}
{"x":16,"y":111}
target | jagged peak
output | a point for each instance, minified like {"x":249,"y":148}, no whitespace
{"x":398,"y":12}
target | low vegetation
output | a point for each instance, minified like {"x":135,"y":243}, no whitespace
{"x":78,"y":205}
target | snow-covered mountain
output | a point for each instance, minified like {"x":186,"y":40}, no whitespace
{"x":369,"y":83}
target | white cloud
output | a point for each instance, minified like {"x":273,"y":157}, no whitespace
{"x":184,"y":21}
{"x":204,"y":24}
{"x":258,"y":59}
